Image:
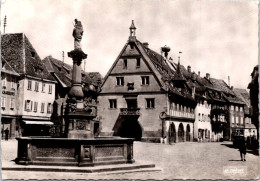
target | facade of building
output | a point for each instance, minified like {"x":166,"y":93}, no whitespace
{"x":9,"y":109}
{"x":253,"y":86}
{"x":62,"y":73}
{"x":144,"y":98}
{"x":249,"y":129}
{"x":202,"y":125}
{"x":36,"y":90}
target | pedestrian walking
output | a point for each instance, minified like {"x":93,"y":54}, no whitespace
{"x":6,"y":134}
{"x":242,"y":148}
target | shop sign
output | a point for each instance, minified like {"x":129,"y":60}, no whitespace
{"x":8,"y":93}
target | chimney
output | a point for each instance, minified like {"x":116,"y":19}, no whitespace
{"x":193,"y":76}
{"x":189,"y":68}
{"x":207,"y":76}
{"x":146,"y":44}
{"x":199,"y":73}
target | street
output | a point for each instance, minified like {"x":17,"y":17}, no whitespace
{"x":190,"y":160}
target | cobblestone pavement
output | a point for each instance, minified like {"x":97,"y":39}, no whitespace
{"x":189,"y":160}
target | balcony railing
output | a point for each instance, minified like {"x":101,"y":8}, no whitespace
{"x":183,"y":114}
{"x":130,"y":112}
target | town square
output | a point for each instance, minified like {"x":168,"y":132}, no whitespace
{"x":127,"y":96}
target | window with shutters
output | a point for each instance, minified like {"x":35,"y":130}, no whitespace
{"x":12,"y":103}
{"x":3,"y":102}
{"x":29,"y":87}
{"x":43,"y":87}
{"x":36,"y":86}
{"x":28,"y":105}
{"x":13,"y":83}
{"x":42,"y":107}
{"x":35,"y":106}
{"x":3,"y":81}
{"x":50,"y":89}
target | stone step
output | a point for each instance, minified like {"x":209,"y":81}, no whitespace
{"x":120,"y":168}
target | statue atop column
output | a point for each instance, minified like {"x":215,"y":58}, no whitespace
{"x":77,"y":34}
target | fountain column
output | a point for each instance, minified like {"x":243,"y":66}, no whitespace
{"x":79,"y":115}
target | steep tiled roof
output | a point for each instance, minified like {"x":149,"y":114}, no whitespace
{"x":63,"y":72}
{"x":170,"y":70}
{"x":243,"y":95}
{"x":167,"y":70}
{"x":6,"y":68}
{"x":17,"y":50}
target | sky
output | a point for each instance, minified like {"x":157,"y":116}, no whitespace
{"x":216,"y":37}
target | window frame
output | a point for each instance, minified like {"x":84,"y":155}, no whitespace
{"x":150,"y":103}
{"x":112,"y":103}
{"x":42,"y":107}
{"x":125,"y":63}
{"x":36,"y":87}
{"x":29,"y":86}
{"x":3,"y":101}
{"x":27,"y":105}
{"x":50,"y":89}
{"x":43,"y":87}
{"x":4,"y":81}
{"x":49,"y":110}
{"x":138,"y":62}
{"x":120,"y":81}
{"x":35,"y":106}
{"x":13,"y":83}
{"x":12,"y":103}
{"x":145,"y":80}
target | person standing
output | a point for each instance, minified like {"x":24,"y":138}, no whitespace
{"x":242,"y":148}
{"x":6,"y":134}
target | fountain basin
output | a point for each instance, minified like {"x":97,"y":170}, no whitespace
{"x":74,"y":151}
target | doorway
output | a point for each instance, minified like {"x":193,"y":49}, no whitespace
{"x":129,"y":128}
{"x":172,"y":134}
{"x":181,"y":133}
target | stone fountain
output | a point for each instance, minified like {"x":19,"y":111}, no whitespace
{"x":80,"y":148}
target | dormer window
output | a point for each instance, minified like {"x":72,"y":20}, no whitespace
{"x":33,"y":54}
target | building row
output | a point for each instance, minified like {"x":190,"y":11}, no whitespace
{"x":145,"y":95}
{"x":32,"y":93}
{"x":151,"y":97}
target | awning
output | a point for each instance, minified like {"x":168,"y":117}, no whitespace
{"x":38,"y":122}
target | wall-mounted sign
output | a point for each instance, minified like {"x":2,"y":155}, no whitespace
{"x":8,"y":93}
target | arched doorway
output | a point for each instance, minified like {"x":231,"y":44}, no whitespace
{"x":130,"y":129}
{"x":181,"y":133}
{"x":172,"y":134}
{"x":188,"y":133}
